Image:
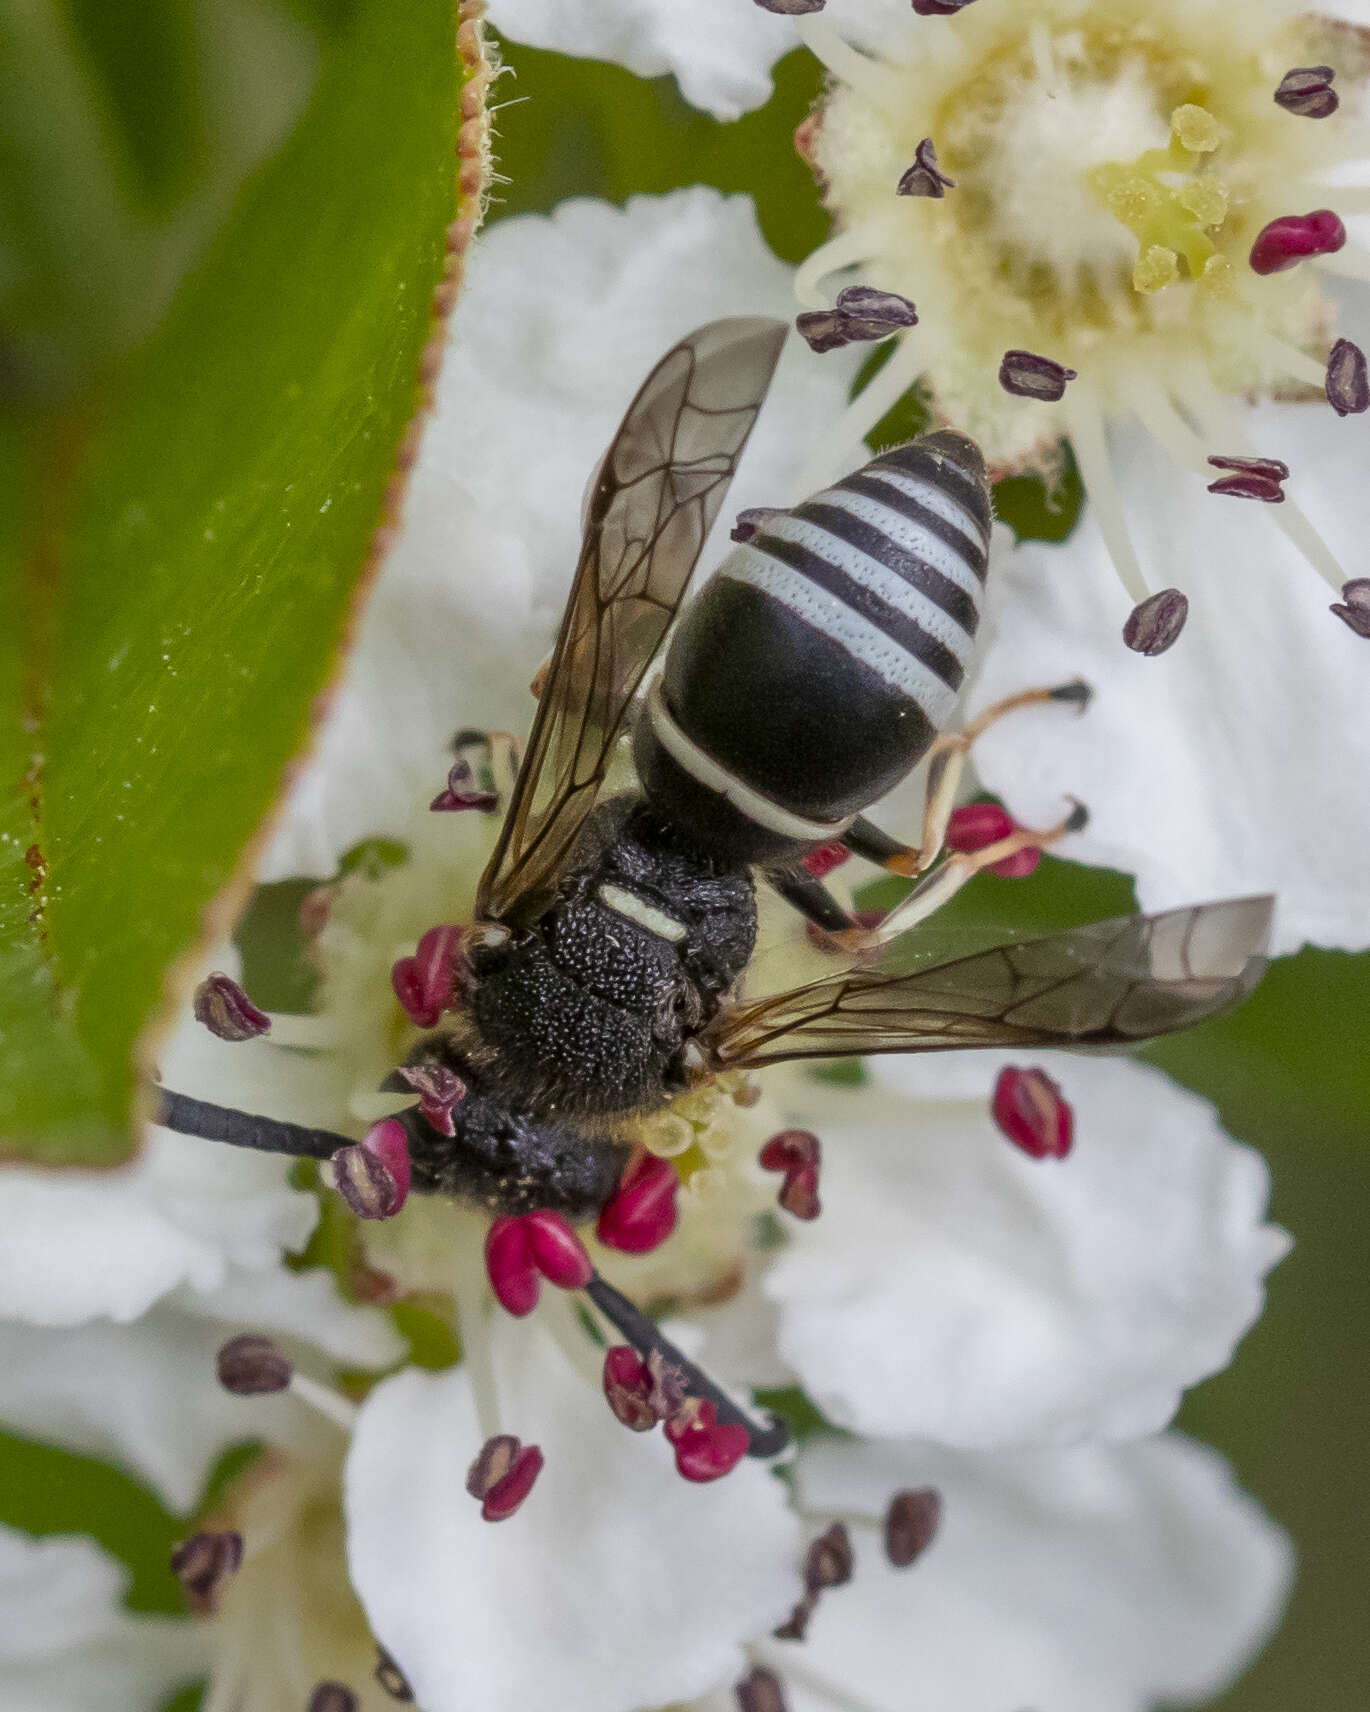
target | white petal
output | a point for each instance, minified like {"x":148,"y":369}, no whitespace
{"x":1100,"y":1579}
{"x":616,"y":1586}
{"x":960,"y":1291}
{"x":146,"y":1395}
{"x":1227,"y":765}
{"x":65,"y":1643}
{"x":720,"y":51}
{"x":561,"y":318}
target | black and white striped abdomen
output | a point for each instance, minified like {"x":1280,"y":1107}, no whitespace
{"x":817,"y":665}
{"x":889,"y":565}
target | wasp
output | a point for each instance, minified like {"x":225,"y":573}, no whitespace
{"x":810,"y":675}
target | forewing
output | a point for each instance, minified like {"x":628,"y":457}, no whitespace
{"x":1112,"y":983}
{"x":658,"y":491}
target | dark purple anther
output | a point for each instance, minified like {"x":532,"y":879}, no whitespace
{"x":925,"y":177}
{"x":1293,"y":237}
{"x":333,"y":1697}
{"x":1308,"y":91}
{"x":503,"y":1475}
{"x":1027,"y":375}
{"x":760,"y":1691}
{"x":1155,"y":624}
{"x":939,"y":8}
{"x":252,"y":1366}
{"x":861,"y":313}
{"x":911,"y":1524}
{"x":1354,"y":607}
{"x":225,"y":1010}
{"x":1252,"y":478}
{"x":463,"y":792}
{"x":752,"y":521}
{"x":1348,"y":391}
{"x":203,"y":1563}
{"x":791,"y":8}
{"x":442,"y":1090}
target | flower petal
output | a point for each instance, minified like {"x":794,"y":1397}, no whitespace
{"x":561,"y":317}
{"x":720,"y":52}
{"x":146,"y":1395}
{"x":1229,"y":764}
{"x":958,"y":1290}
{"x":65,"y":1643}
{"x":1098,"y":1579}
{"x":82,"y":1245}
{"x":617,"y":1585}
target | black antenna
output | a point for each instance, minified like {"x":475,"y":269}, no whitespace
{"x":244,"y":1129}
{"x":646,"y":1339}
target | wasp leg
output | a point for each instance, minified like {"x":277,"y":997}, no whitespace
{"x":931,"y":893}
{"x":814,"y":902}
{"x":640,"y":1331}
{"x":244,"y":1129}
{"x":946,"y":764}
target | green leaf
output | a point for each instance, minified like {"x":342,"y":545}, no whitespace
{"x":181,"y":543}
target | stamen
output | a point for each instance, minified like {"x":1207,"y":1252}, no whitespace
{"x":1308,"y":91}
{"x":1156,"y":624}
{"x":911,"y":1524}
{"x":760,"y":1690}
{"x":333,"y":1697}
{"x":1354,"y":607}
{"x":1253,"y":478}
{"x":373,"y":1175}
{"x":425,"y":984}
{"x":791,"y":8}
{"x":829,"y":1561}
{"x":1348,"y":390}
{"x":1086,"y":423}
{"x":391,"y":1678}
{"x":1027,"y":375}
{"x":463,"y":791}
{"x":628,"y":1388}
{"x":441,"y":1089}
{"x":1293,"y":237}
{"x":705,"y":1447}
{"x":503,"y":1475}
{"x":861,"y":314}
{"x":518,"y":1251}
{"x":925,"y":177}
{"x":798,"y":1153}
{"x":642,"y":1212}
{"x":202,"y":1564}
{"x":253,"y":1366}
{"x":975,"y":826}
{"x":1029,"y":1109}
{"x":826,"y":859}
{"x":939,"y":8}
{"x":752,"y":520}
{"x":844,"y":62}
{"x":226,"y":1011}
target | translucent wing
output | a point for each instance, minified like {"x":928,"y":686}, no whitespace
{"x":655,"y":499}
{"x":1111,"y":983}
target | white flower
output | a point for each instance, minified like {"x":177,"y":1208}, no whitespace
{"x":959,"y":1291}
{"x":720,"y":51}
{"x":146,"y":1395}
{"x":1099,"y":149}
{"x":616,"y":1586}
{"x":1101,"y":1579}
{"x":66,"y":1644}
{"x":560,"y":319}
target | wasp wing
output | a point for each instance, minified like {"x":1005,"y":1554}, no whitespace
{"x":656,"y":496}
{"x":1112,"y":983}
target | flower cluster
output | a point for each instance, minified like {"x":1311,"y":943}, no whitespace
{"x":980,"y":1282}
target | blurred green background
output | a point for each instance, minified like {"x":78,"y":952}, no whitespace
{"x":1289,"y":1072}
